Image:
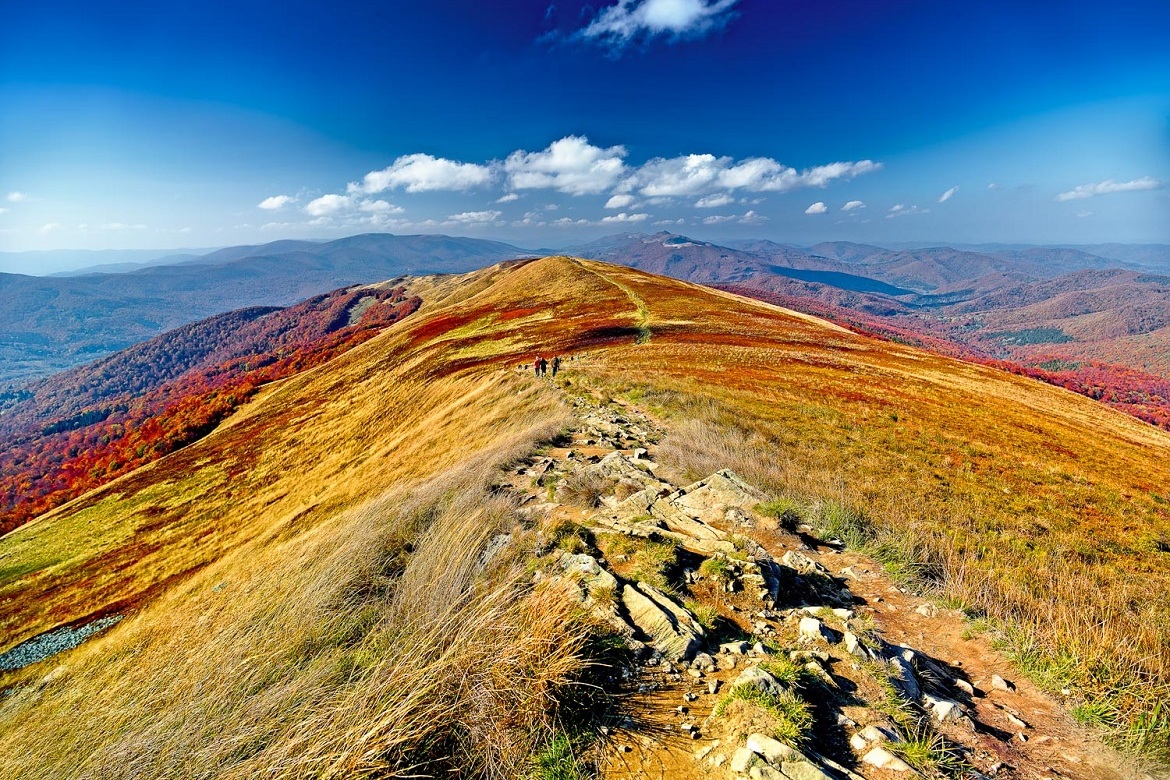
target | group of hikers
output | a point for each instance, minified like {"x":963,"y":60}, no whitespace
{"x":540,"y":366}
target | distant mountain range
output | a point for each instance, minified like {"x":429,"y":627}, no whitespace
{"x":48,"y":324}
{"x":1033,"y":305}
{"x":1105,"y":302}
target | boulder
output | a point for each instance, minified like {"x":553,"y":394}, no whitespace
{"x":757,"y":678}
{"x":943,"y":710}
{"x":803,"y":564}
{"x":712,"y":497}
{"x":870,"y":736}
{"x":1000,"y":684}
{"x":671,"y":629}
{"x":742,"y":760}
{"x":773,"y":750}
{"x":883,"y":759}
{"x":814,"y":630}
{"x":904,"y":678}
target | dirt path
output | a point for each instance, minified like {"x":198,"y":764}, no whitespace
{"x":1010,"y":731}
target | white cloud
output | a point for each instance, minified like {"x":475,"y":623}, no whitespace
{"x":379,"y":207}
{"x":853,"y":205}
{"x":1109,"y":187}
{"x":902,"y":210}
{"x":993,"y":186}
{"x":328,"y":204}
{"x":752,"y":218}
{"x":276,"y":202}
{"x":634,"y":20}
{"x":817,"y":208}
{"x":624,"y":217}
{"x":424,"y":173}
{"x":948,"y":194}
{"x":16,"y":197}
{"x":508,"y":198}
{"x":714,"y":201}
{"x":718,"y":219}
{"x":571,"y":165}
{"x":697,"y":174}
{"x":49,"y":227}
{"x":3,"y":211}
{"x":1083,"y":214}
{"x":474,"y":217}
{"x":121,"y":226}
{"x":619,"y":202}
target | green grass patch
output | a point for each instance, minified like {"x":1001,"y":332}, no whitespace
{"x":791,"y":715}
{"x":559,"y":760}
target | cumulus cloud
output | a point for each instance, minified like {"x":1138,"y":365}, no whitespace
{"x":619,"y":202}
{"x":624,"y":217}
{"x":641,"y":20}
{"x":379,"y":207}
{"x":853,"y":205}
{"x":507,"y":198}
{"x":424,"y":173}
{"x":699,"y":174}
{"x":714,"y":201}
{"x":817,"y":208}
{"x":276,"y":202}
{"x":16,"y":197}
{"x":474,"y":217}
{"x":948,"y":194}
{"x":328,"y":204}
{"x":1109,"y":187}
{"x":752,"y":218}
{"x":571,"y":165}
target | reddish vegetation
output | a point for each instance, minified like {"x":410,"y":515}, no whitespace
{"x":87,"y":426}
{"x":1145,"y":396}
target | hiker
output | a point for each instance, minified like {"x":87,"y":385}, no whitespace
{"x":556,"y":365}
{"x":536,"y":366}
{"x":543,"y":367}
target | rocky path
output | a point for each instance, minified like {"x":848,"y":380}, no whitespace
{"x":769,"y":654}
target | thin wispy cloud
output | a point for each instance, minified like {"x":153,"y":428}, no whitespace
{"x":1108,"y":187}
{"x":507,"y":198}
{"x":16,"y":197}
{"x":853,"y":205}
{"x":948,"y":194}
{"x":641,"y":21}
{"x":902,"y":210}
{"x":620,"y":201}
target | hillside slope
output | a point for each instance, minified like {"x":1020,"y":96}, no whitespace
{"x":288,"y":564}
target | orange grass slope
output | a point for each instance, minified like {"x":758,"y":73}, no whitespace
{"x":1022,"y":489}
{"x":420,"y":397}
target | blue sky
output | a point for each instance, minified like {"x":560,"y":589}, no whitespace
{"x":146,"y":124}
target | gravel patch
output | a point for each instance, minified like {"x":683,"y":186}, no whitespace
{"x":52,"y":642}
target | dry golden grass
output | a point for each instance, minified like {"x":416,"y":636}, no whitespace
{"x":354,"y":630}
{"x":1027,"y":503}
